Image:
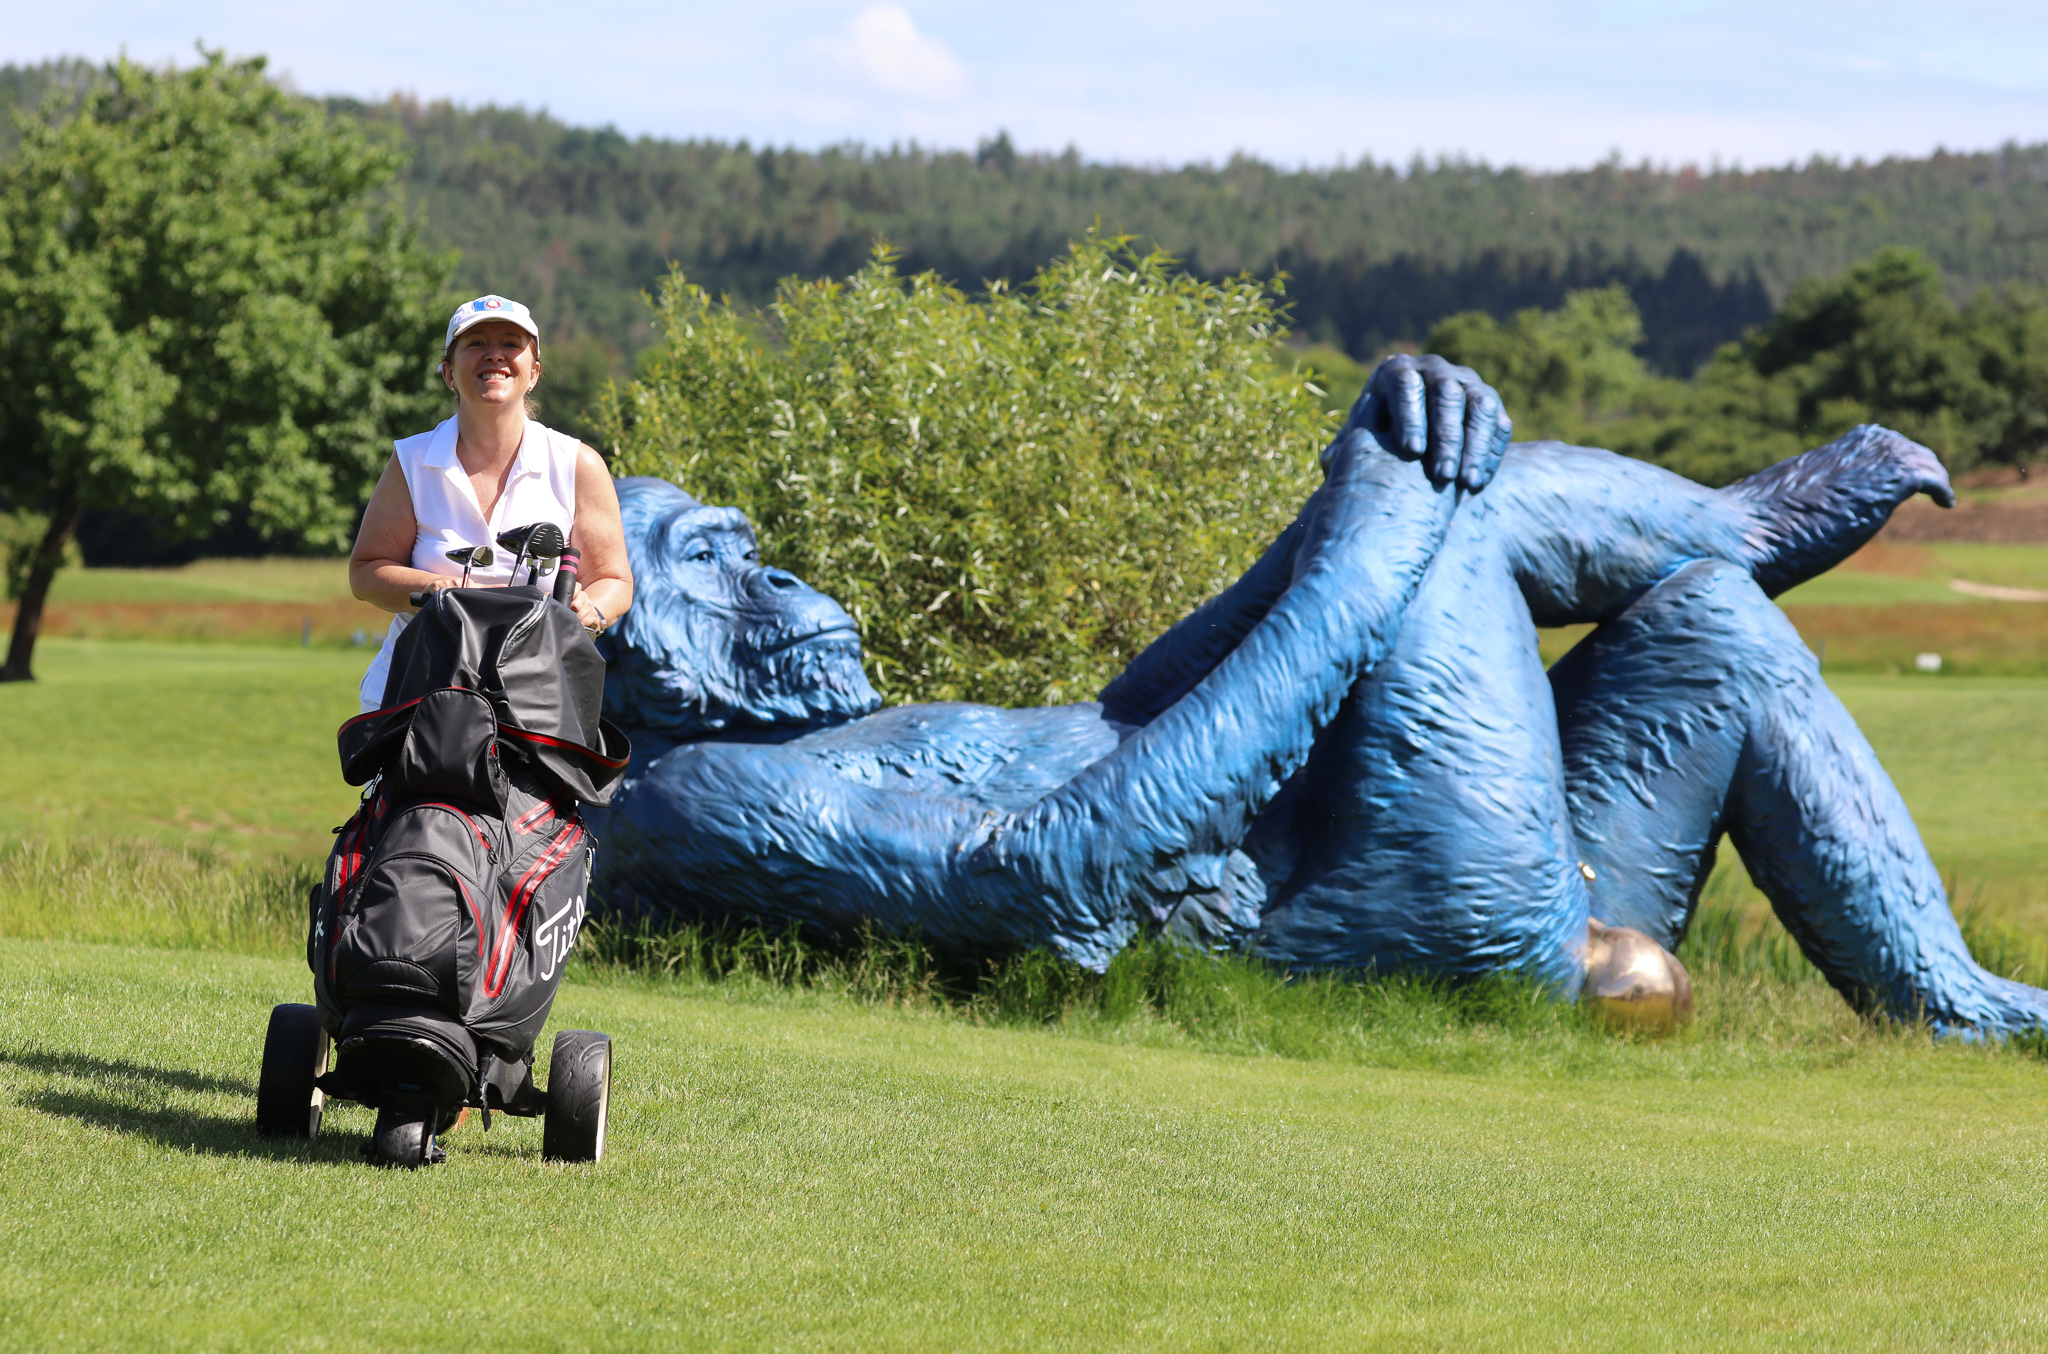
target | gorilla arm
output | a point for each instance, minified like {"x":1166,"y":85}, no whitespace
{"x":771,"y":829}
{"x":1179,"y":795}
{"x":1424,"y":406}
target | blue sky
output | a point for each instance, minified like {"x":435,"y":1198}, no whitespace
{"x":1297,"y":81}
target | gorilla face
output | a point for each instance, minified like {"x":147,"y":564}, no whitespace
{"x":714,"y":640}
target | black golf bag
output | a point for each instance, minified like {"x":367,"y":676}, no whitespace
{"x":453,"y":896}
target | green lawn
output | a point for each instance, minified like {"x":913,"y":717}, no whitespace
{"x":227,"y":746}
{"x":1970,"y":755}
{"x":817,"y":1173}
{"x":2012,"y":566}
{"x":807,"y":1169}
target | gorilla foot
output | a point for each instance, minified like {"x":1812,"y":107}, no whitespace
{"x":1632,"y":982}
{"x":1982,"y":1005}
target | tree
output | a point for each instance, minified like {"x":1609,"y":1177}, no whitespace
{"x":1558,"y":371}
{"x":1012,"y":495}
{"x":1880,"y":343}
{"x":209,"y":301}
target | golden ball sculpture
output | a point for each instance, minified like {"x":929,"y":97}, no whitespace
{"x":1634,"y":983}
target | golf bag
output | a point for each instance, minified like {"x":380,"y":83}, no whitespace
{"x":452,"y":897}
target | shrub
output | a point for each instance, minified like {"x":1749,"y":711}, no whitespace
{"x":1012,"y":494}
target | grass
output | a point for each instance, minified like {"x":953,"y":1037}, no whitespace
{"x":857,"y":1149}
{"x":142,"y":893}
{"x":799,"y":1170}
{"x":219,"y":746}
{"x":1757,"y":996}
{"x":1970,"y":755}
{"x":280,"y":579}
{"x":1892,"y":602}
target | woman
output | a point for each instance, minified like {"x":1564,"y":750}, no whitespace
{"x":486,"y":470}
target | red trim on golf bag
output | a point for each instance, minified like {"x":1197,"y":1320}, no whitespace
{"x":589,"y":754}
{"x":442,"y":804}
{"x":378,"y":714}
{"x":529,"y":884}
{"x":531,"y":820}
{"x":350,"y":859}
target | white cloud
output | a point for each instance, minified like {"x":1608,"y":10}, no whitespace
{"x":882,"y":45}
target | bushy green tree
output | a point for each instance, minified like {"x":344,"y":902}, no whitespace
{"x":207,"y":303}
{"x":1012,"y":494}
{"x":1881,"y":343}
{"x":1560,"y":372}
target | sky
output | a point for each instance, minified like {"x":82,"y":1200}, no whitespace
{"x":1296,"y":82}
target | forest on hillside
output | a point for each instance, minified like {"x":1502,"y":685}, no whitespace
{"x":1711,"y":321}
{"x":1374,"y":253}
{"x":580,"y":221}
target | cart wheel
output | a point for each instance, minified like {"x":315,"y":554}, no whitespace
{"x":579,"y":1096}
{"x":288,"y":1104}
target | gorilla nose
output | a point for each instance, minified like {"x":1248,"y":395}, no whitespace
{"x":772,"y":585}
{"x":780,"y":593}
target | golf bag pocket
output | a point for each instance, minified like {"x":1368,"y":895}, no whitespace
{"x":542,"y":901}
{"x":442,"y":746}
{"x":414,"y":924}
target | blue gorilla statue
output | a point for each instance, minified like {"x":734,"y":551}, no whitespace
{"x":1350,"y":759}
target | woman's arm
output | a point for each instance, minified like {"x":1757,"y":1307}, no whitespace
{"x":380,"y":568}
{"x":604,"y":577}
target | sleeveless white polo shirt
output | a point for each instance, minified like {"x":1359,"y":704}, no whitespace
{"x":541,"y":488}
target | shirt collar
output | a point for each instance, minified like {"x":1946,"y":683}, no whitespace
{"x":441,"y":449}
{"x":532,"y":458}
{"x":533,"y":450}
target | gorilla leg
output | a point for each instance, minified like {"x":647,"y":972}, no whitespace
{"x":1699,"y":710}
{"x":1429,"y":830}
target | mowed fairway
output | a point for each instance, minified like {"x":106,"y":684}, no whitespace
{"x":229,"y":746}
{"x":810,"y":1174}
{"x":799,"y":1169}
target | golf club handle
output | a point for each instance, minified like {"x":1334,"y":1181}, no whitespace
{"x":419,"y":599}
{"x":565,"y":576}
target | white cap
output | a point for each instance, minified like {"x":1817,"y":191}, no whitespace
{"x":471,"y":313}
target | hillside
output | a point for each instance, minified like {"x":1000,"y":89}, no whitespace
{"x":580,"y":220}
{"x":1376,"y":253}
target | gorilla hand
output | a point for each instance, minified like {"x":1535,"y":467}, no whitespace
{"x":1430,"y":408}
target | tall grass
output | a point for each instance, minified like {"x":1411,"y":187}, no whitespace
{"x":140,"y":893}
{"x":1758,"y":1000}
{"x":1155,"y":991}
{"x":1735,"y":934}
{"x":1757,"y":995}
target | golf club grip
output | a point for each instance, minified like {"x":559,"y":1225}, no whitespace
{"x":565,"y":576}
{"x":419,"y":599}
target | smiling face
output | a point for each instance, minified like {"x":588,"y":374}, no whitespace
{"x":491,"y":365}
{"x":715,"y":640}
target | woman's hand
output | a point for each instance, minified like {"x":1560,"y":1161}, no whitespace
{"x":593,"y":617}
